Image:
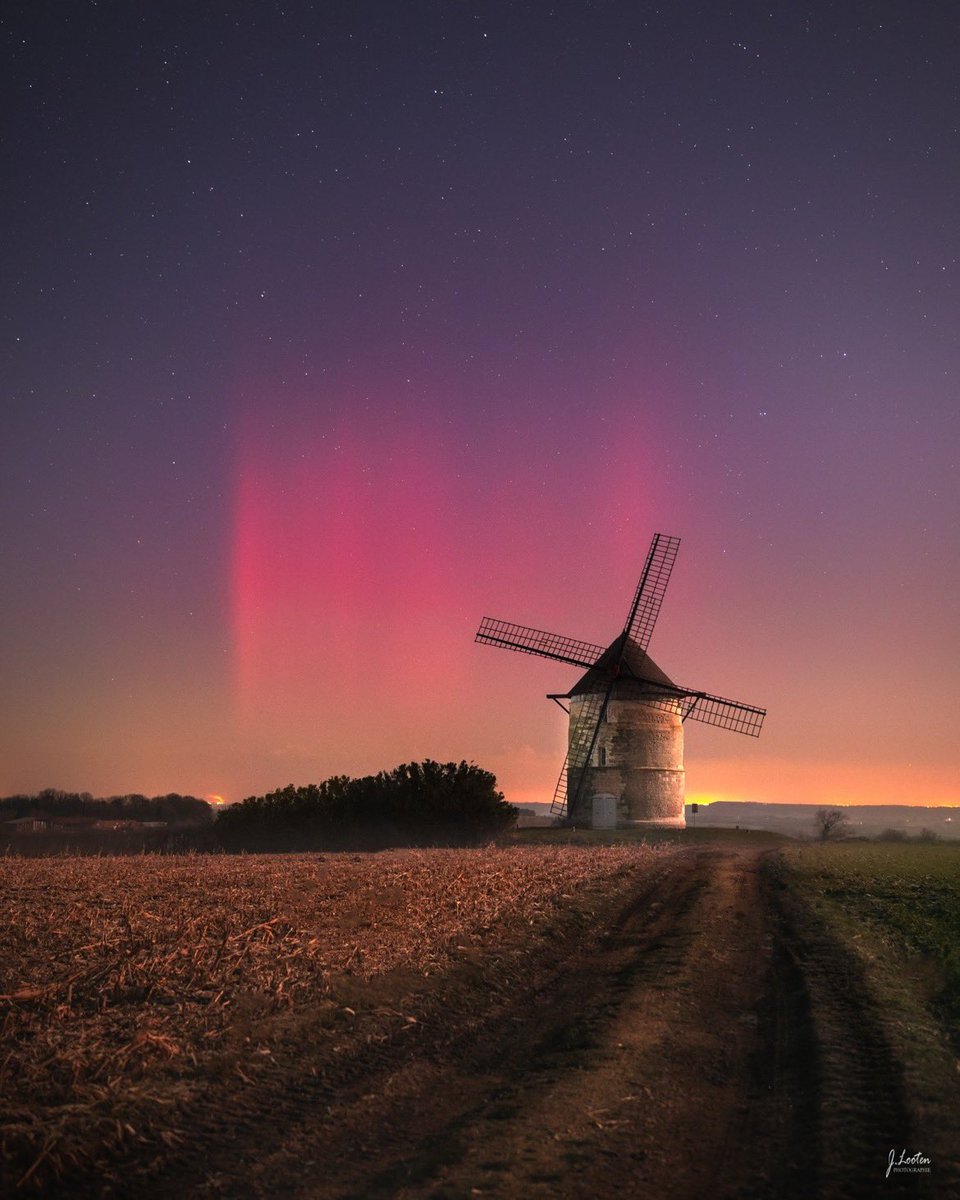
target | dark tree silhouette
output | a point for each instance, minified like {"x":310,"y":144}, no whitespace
{"x":426,"y":803}
{"x":172,"y":809}
{"x":831,"y":824}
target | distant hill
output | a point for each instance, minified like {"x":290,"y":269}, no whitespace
{"x":797,"y":820}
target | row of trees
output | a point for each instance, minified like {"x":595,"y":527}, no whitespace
{"x":172,"y":809}
{"x":425,"y":803}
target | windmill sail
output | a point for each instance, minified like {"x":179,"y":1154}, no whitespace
{"x":709,"y":710}
{"x":583,"y":737}
{"x":651,"y":589}
{"x":537,"y":641}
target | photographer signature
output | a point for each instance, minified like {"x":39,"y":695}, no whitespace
{"x":906,"y":1162}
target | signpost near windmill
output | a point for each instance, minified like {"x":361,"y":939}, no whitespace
{"x":625,"y":736}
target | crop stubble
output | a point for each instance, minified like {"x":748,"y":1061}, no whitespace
{"x":120,"y":978}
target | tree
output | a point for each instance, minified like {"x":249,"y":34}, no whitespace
{"x":416,"y":804}
{"x":830,"y":824}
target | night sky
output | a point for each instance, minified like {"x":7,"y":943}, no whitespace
{"x":328,"y":329}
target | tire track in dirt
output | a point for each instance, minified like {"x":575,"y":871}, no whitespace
{"x":862,"y":1108}
{"x":254,"y":1137}
{"x":688,"y":1038}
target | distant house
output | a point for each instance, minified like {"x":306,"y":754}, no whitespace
{"x":26,"y":825}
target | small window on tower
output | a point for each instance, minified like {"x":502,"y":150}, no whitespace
{"x":601,"y":756}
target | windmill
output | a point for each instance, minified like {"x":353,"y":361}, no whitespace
{"x":624,"y":762}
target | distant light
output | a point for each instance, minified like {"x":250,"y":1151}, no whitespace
{"x":212,"y":799}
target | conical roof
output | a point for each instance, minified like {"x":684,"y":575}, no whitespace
{"x":635,"y":666}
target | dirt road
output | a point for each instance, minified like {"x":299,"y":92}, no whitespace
{"x":686,"y":1038}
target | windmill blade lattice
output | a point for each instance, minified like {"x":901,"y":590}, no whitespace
{"x":537,"y":641}
{"x":583,"y":738}
{"x":651,"y":589}
{"x":709,"y":710}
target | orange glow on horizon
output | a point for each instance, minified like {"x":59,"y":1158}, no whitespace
{"x":781,"y":781}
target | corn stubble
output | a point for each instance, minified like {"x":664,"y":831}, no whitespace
{"x":123,"y":979}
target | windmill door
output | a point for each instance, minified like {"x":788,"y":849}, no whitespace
{"x":604,"y":814}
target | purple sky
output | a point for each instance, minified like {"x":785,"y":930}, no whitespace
{"x":330,"y":329}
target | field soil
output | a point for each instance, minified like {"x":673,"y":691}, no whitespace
{"x":694,"y":1034}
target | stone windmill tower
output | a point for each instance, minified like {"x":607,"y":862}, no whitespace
{"x":624,"y":761}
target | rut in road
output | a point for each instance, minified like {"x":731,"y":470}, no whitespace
{"x":671,"y":1050}
{"x":669,"y":1053}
